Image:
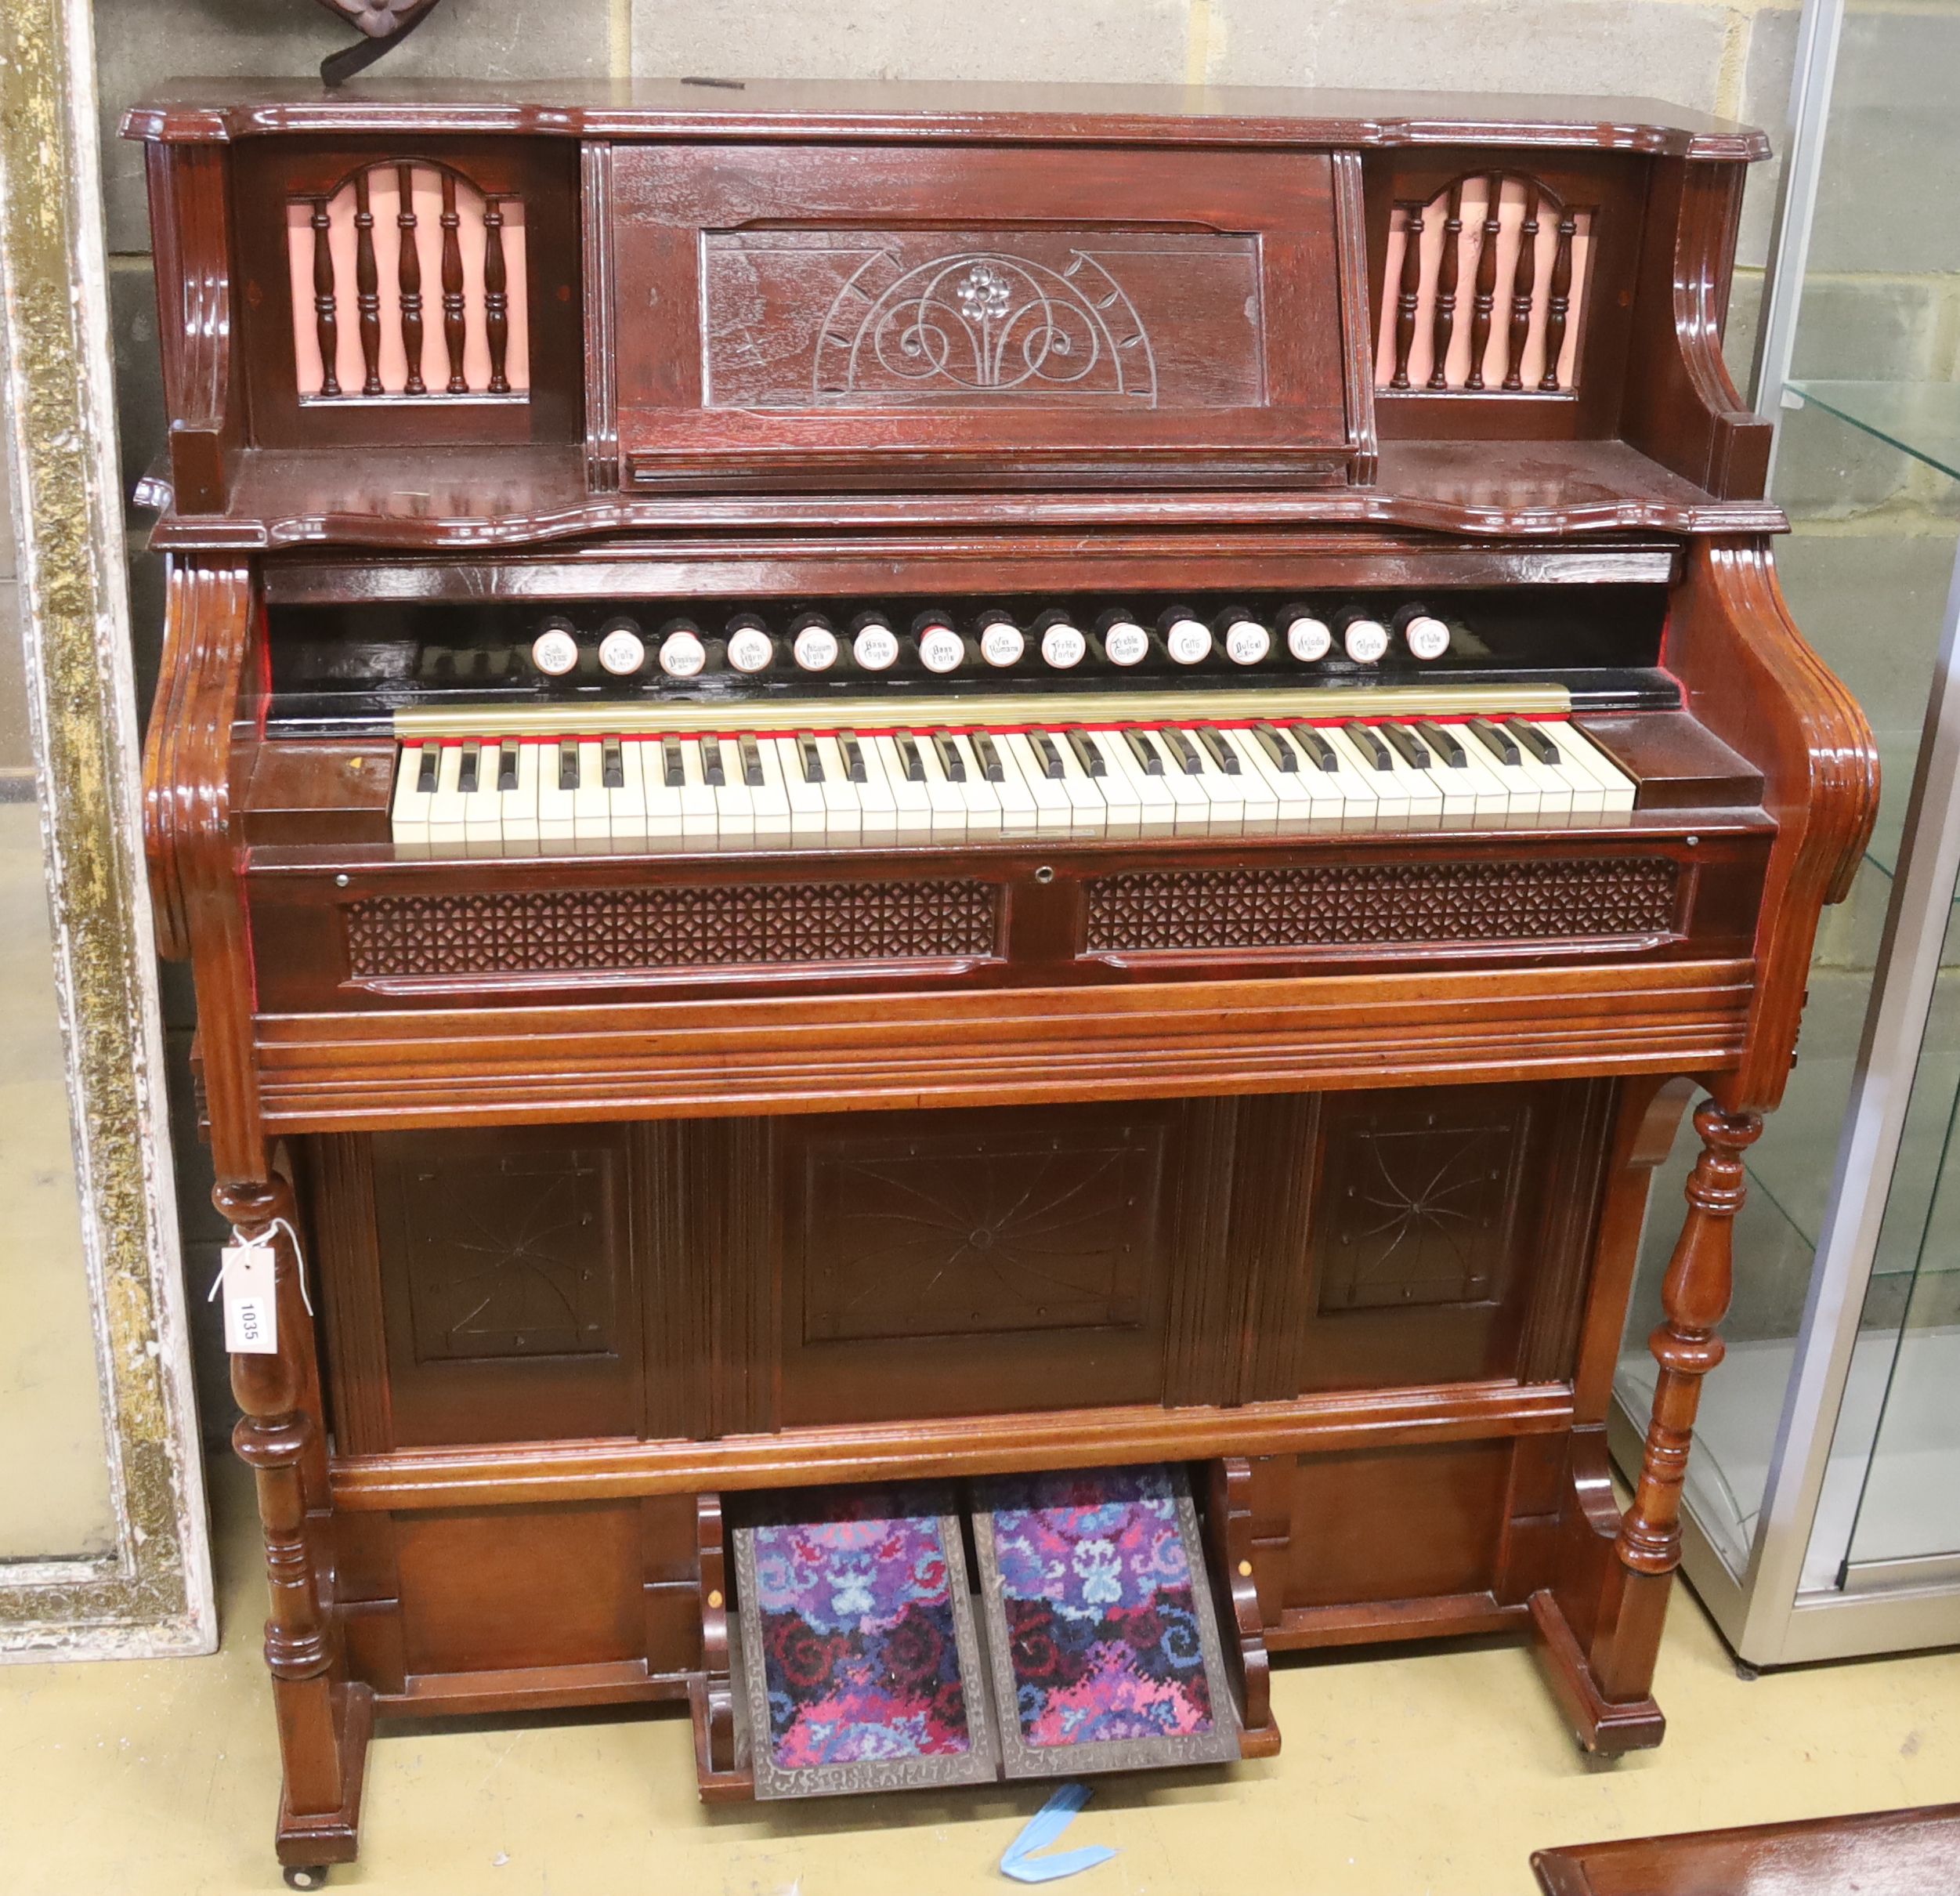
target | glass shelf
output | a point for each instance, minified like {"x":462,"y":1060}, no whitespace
{"x":1919,"y":418}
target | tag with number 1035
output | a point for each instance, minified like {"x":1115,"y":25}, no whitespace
{"x":251,"y":1305}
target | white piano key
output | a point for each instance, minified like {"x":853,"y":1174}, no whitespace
{"x":808,"y":817}
{"x":734,"y":801}
{"x":877,"y":807}
{"x":985,"y":816}
{"x":700,"y":820}
{"x":408,"y":812}
{"x":843,"y":810}
{"x":626,"y":801}
{"x":1425,"y":793}
{"x":446,"y":812}
{"x":1260,"y":801}
{"x":1371,"y":799}
{"x":945,"y":798}
{"x":482,"y":810}
{"x":1156,"y":808}
{"x":1310,"y":797}
{"x":1088,"y":808}
{"x":1188,"y":792}
{"x":911,"y":805}
{"x":1555,"y":790}
{"x":1019,"y":814}
{"x":1122,"y":802}
{"x":1618,"y":789}
{"x":518,"y":812}
{"x":1054,"y":809}
{"x":661,"y":827}
{"x":555,"y":828}
{"x":1225,"y":790}
{"x":591,"y":802}
{"x":774,"y":824}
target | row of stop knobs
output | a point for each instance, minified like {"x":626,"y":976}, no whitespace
{"x":816,"y":644}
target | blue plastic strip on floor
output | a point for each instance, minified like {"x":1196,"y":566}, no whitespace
{"x":1043,"y":1828}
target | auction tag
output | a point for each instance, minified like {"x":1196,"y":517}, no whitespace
{"x":251,"y":1305}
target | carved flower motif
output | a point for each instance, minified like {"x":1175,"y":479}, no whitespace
{"x":984,"y":294}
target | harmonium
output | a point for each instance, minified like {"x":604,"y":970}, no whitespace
{"x":953,"y":856}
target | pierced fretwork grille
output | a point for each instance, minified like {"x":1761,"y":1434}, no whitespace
{"x":408,"y":285}
{"x":1483,"y":289}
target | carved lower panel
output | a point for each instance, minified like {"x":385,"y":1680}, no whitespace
{"x":980,"y":1231}
{"x":1417,"y":1204}
{"x":1381,"y":904}
{"x":611,"y":931}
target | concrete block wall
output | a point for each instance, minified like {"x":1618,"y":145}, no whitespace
{"x":1880,"y":305}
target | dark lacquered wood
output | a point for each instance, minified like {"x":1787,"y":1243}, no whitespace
{"x":602,"y":1241}
{"x":1879,"y":1853}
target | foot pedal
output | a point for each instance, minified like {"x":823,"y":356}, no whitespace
{"x":1100,"y":1632}
{"x":859,"y":1647}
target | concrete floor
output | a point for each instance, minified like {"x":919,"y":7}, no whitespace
{"x":1432,"y":1770}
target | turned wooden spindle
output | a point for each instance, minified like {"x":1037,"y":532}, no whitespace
{"x":408,"y":282}
{"x":367,"y":285}
{"x":325,"y":321}
{"x":1694,"y":1298}
{"x":1558,"y":301}
{"x":1410,"y":295}
{"x":276,"y":1437}
{"x":1442,"y":322}
{"x":496,"y":306}
{"x":1485,"y":299}
{"x":453,"y":329}
{"x":1523,"y":283}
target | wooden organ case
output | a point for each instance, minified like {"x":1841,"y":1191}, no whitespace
{"x":872,"y":784}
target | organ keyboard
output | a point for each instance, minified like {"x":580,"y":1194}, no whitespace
{"x":960,"y":783}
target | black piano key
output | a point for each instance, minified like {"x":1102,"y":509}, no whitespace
{"x":1046,"y":754}
{"x":468,"y":771}
{"x":1415,"y":753}
{"x":426,"y":770}
{"x":811,"y":757}
{"x":1442,"y":741}
{"x":611,"y":766}
{"x":673,"y":766}
{"x":951,"y":762}
{"x":506,"y":767}
{"x":853,"y":754}
{"x":1277,"y":751}
{"x":1499,"y":743}
{"x":908,"y":758}
{"x":1183,"y":750}
{"x":714,"y":769}
{"x":989,"y":753}
{"x":1317,"y":750}
{"x":1372,"y":750}
{"x":752,"y":760}
{"x":1093,"y":762}
{"x":1218,"y":751}
{"x":568,"y":763}
{"x":1533,"y":739}
{"x":1145,"y":752}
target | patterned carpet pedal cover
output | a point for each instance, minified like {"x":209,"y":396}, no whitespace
{"x":1102,"y":1639}
{"x":860,"y":1662}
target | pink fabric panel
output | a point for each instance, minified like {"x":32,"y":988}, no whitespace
{"x":384,"y":201}
{"x":1513,"y":203}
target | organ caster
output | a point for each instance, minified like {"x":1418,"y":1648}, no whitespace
{"x":305,"y":1876}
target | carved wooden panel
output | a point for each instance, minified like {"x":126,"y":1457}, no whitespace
{"x":872,"y":319}
{"x":509,"y":1253}
{"x":1385,"y":903}
{"x":508,"y":1296}
{"x":942,"y":1263}
{"x":859,"y":314}
{"x":621,"y":930}
{"x":984,"y":1228}
{"x":1416,"y":1201}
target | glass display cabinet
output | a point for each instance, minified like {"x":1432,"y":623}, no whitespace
{"x":1823,"y":1498}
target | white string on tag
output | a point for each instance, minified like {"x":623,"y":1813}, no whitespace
{"x":239,"y":1245}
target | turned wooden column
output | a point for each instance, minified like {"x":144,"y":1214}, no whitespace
{"x":278,"y":1438}
{"x":1694,"y":1298}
